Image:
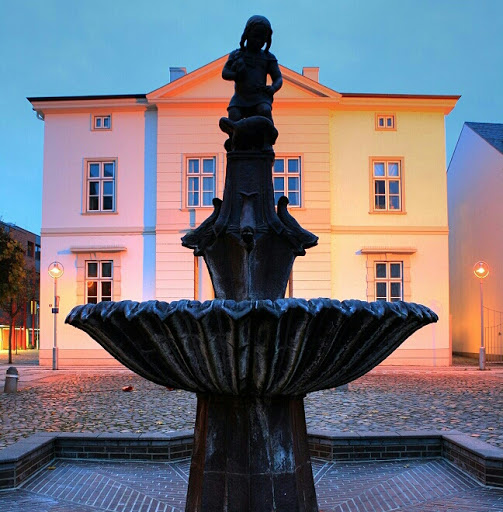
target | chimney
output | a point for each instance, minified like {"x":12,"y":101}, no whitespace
{"x":176,"y":73}
{"x":311,"y":72}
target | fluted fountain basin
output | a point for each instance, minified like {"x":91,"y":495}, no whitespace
{"x":251,"y":363}
{"x":264,"y":348}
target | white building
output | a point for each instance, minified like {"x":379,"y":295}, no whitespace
{"x":126,"y":176}
{"x":475,"y":186}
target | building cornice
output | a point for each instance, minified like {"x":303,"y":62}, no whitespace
{"x":388,"y":249}
{"x":98,"y":231}
{"x":387,"y":230}
{"x":399,"y":102}
{"x":98,"y":248}
{"x":71,"y":104}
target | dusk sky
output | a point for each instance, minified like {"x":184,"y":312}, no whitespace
{"x":65,"y":48}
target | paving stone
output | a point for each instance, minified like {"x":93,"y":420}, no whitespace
{"x":82,"y":486}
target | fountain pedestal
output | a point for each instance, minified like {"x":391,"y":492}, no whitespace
{"x":251,"y":453}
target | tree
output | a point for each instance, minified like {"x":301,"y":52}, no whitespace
{"x":15,"y":281}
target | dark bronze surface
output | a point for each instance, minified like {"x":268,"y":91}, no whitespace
{"x":251,"y":358}
{"x":286,"y":347}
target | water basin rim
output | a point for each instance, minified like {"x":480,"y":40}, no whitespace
{"x":239,"y":309}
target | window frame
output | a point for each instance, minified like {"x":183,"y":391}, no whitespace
{"x":385,"y":117}
{"x":200,"y":174}
{"x":101,"y":179}
{"x":386,"y":160}
{"x":389,"y":254}
{"x":99,"y":279}
{"x":101,"y":117}
{"x":389,"y":280}
{"x":285,"y":174}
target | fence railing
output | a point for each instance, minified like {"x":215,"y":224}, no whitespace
{"x":493,"y":335}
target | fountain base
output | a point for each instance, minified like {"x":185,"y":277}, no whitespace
{"x":251,"y":453}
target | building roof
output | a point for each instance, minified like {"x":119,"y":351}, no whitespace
{"x":92,"y":97}
{"x":199,"y":86}
{"x":490,"y":132}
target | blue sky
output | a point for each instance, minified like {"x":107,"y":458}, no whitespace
{"x":64,"y":48}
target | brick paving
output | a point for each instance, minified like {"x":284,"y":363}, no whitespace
{"x":414,"y":486}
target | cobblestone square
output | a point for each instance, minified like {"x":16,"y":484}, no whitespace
{"x":83,"y":400}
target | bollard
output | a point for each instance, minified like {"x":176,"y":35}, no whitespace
{"x":11,"y":379}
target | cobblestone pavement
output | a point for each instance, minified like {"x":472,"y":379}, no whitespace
{"x":386,"y":399}
{"x":412,"y":486}
{"x":24,"y":357}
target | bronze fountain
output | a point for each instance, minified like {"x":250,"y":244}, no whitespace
{"x":250,"y":354}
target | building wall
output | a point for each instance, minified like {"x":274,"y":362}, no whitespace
{"x":335,"y":147}
{"x":68,"y":141}
{"x":421,"y":229}
{"x":184,"y":132}
{"x":475,"y":183}
{"x":27,"y":321}
{"x":67,"y":228}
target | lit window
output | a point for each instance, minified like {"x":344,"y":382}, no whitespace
{"x":387,"y":185}
{"x":385,"y":122}
{"x":102,"y":122}
{"x":200,"y":181}
{"x":286,"y":179}
{"x":99,"y":279}
{"x":101,"y":186}
{"x":389,"y":281}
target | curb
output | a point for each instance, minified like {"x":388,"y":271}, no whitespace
{"x":484,"y":462}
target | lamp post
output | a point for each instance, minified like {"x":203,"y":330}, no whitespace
{"x":481,"y":270}
{"x":55,"y":271}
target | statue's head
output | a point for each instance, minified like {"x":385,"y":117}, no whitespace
{"x":260,"y":29}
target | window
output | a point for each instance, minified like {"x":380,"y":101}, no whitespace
{"x":389,"y":272}
{"x":389,"y":281}
{"x":385,"y":122}
{"x":286,"y":179}
{"x":30,"y":252}
{"x":98,"y":281}
{"x":201,"y":181}
{"x":37,"y":252}
{"x":102,"y":122}
{"x":100,"y":194}
{"x":386,"y":185}
{"x":89,"y":280}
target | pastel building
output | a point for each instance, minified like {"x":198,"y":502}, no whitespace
{"x":126,"y":176}
{"x":475,"y":182}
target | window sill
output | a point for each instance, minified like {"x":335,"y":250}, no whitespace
{"x":387,"y":212}
{"x":99,"y":213}
{"x":196,"y":208}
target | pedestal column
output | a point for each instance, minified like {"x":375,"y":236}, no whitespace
{"x":250,"y":455}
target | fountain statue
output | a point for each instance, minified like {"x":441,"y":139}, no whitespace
{"x":250,"y":354}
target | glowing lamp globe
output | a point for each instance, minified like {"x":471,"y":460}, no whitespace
{"x":56,"y":269}
{"x":481,"y":269}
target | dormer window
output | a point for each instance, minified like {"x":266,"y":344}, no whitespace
{"x":102,"y":122}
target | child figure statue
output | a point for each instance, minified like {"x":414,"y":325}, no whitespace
{"x":248,"y":67}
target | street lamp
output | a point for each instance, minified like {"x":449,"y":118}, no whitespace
{"x":55,"y":271}
{"x":481,"y":270}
